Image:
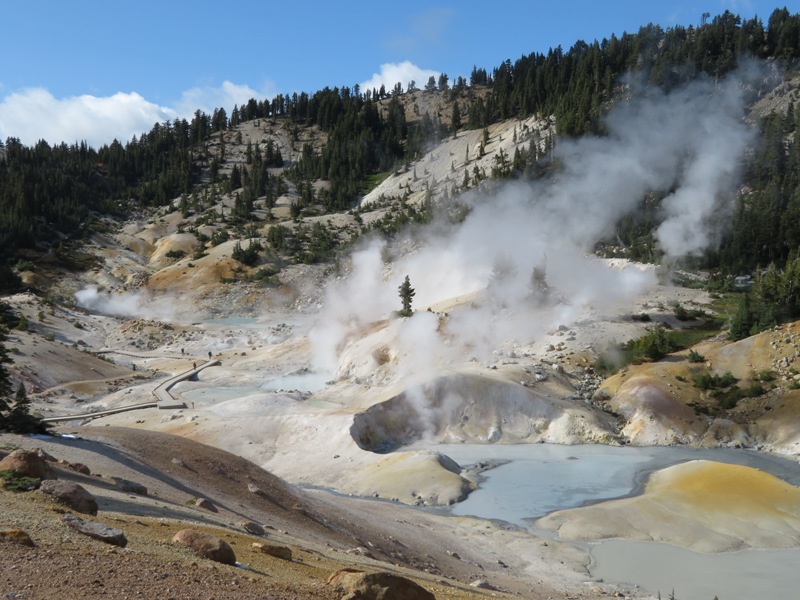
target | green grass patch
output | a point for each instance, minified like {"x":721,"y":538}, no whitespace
{"x":686,"y":338}
{"x":13,"y":483}
{"x":656,"y":344}
{"x":374,"y":180}
{"x":727,"y":303}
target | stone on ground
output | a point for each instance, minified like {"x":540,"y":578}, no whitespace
{"x":71,"y":494}
{"x":377,"y":586}
{"x":206,"y":545}
{"x":97,"y":531}
{"x":27,"y":463}
{"x":17,"y":536}
{"x":277,"y":551}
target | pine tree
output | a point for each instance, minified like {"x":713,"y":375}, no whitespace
{"x":20,"y":419}
{"x":5,"y":388}
{"x":406,"y":295}
{"x":5,"y":381}
{"x":741,"y":321}
{"x":455,"y":121}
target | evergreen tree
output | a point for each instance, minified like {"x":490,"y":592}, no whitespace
{"x":742,"y":320}
{"x":406,"y":295}
{"x":5,"y":381}
{"x":455,"y":121}
{"x":236,"y":179}
{"x":20,"y":419}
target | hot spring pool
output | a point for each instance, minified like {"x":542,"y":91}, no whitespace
{"x":541,"y":478}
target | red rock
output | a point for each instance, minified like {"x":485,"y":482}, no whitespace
{"x":27,"y":463}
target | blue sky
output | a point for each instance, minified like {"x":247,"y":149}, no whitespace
{"x":89,"y":70}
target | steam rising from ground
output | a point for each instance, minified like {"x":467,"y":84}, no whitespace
{"x":135,"y":305}
{"x":689,"y":144}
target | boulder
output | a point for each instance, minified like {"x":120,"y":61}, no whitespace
{"x":44,"y":455}
{"x":206,"y":504}
{"x":17,"y":536}
{"x":71,"y":494}
{"x":129,"y":486}
{"x":355,"y":584}
{"x":97,"y":531}
{"x":77,"y":467}
{"x":206,"y":545}
{"x":251,"y":527}
{"x":251,"y":487}
{"x":27,"y":463}
{"x":281,"y":552}
{"x":482,"y":584}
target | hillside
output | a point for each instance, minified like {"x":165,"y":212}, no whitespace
{"x":571,"y":239}
{"x":323,"y":536}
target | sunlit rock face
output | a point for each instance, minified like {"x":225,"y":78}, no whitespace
{"x":475,"y":409}
{"x":655,"y":414}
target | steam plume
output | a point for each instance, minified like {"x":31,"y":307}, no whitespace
{"x":137,"y":305}
{"x":689,"y":143}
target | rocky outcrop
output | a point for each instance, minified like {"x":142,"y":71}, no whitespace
{"x":656,"y":414}
{"x":97,"y":531}
{"x":27,"y":463}
{"x":206,"y":545}
{"x":469,"y":408}
{"x":377,"y":586}
{"x":71,"y":494}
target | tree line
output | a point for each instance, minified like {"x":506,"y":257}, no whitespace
{"x":48,"y":193}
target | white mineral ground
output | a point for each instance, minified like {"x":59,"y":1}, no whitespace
{"x":308,"y":438}
{"x":390,"y":385}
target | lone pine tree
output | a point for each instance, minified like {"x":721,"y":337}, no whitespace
{"x":406,"y":295}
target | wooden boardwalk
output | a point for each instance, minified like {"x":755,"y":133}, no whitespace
{"x":164,"y":400}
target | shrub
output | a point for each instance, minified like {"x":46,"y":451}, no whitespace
{"x":695,"y":357}
{"x":728,"y":400}
{"x":248,"y":256}
{"x":766,"y":376}
{"x":681,"y":313}
{"x":654,"y":345}
{"x":705,"y":380}
{"x":24,"y":264}
{"x":219,"y":237}
{"x":175,"y":254}
{"x":754,"y":389}
{"x":18,"y":484}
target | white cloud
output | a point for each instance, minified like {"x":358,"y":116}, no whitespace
{"x":34,"y":114}
{"x":226,"y":96}
{"x":394,"y":73}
